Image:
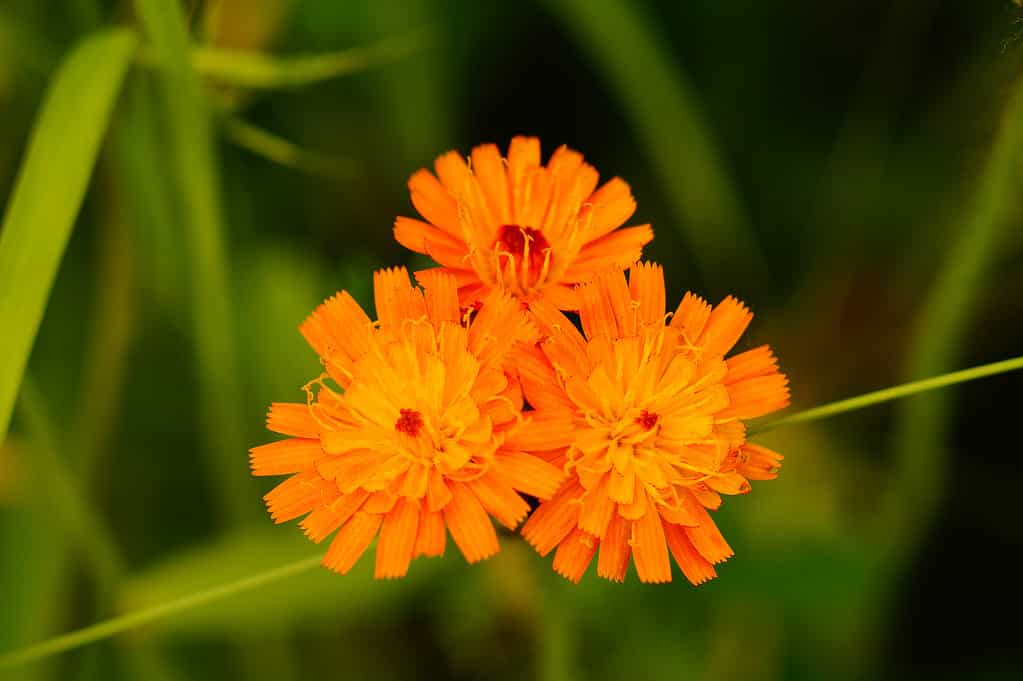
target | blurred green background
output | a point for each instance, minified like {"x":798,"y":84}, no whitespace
{"x":849,"y":168}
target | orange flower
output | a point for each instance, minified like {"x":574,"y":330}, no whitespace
{"x":519,"y":226}
{"x":658,"y":418}
{"x":424,"y":433}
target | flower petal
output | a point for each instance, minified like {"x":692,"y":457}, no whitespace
{"x":649,"y":549}
{"x":574,"y":555}
{"x":284,"y":457}
{"x":469,"y":525}
{"x":352,"y":541}
{"x":397,"y":540}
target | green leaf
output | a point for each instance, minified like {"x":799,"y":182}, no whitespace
{"x":49,"y":191}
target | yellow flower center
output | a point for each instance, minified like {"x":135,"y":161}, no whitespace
{"x":412,"y":406}
{"x":647,"y":423}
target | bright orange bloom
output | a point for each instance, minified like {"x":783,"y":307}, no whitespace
{"x":423,"y":433}
{"x":657,"y":413}
{"x":516,"y":225}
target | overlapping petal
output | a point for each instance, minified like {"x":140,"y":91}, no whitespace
{"x":657,"y":434}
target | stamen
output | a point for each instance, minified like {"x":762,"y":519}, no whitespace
{"x":527,"y":250}
{"x":409,"y":422}
{"x":647,"y":420}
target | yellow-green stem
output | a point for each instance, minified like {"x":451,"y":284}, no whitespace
{"x":889,"y":394}
{"x":116,"y":625}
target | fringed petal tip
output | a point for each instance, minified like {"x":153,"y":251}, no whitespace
{"x":482,"y":212}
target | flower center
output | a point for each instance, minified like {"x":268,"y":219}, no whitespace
{"x":523,"y":256}
{"x":646,"y":420}
{"x":409,"y":422}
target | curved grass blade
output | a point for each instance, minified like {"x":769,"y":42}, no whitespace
{"x":674,"y":133}
{"x":64,"y":498}
{"x":941,"y":332}
{"x":259,"y":71}
{"x":49,"y":191}
{"x":281,"y":151}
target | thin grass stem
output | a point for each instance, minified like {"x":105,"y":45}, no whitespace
{"x":284,"y":152}
{"x":132,"y":620}
{"x":889,"y":394}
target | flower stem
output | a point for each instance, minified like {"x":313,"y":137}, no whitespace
{"x":893,"y":393}
{"x":116,"y":625}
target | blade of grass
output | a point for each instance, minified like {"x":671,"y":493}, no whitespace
{"x":33,"y":571}
{"x":112,"y":321}
{"x":145,"y":229}
{"x":138,"y":618}
{"x":140,"y":153}
{"x":258,"y":71}
{"x":193,"y":157}
{"x":889,"y":394}
{"x":279,"y":150}
{"x":49,"y":191}
{"x":941,"y":330}
{"x":412,"y":131}
{"x":855,"y":175}
{"x":673,"y":131}
{"x":87,"y":531}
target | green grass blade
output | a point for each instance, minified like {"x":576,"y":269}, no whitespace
{"x":139,"y":165}
{"x":942,"y":329}
{"x":63,"y":496}
{"x":281,"y":151}
{"x":49,"y":191}
{"x":106,"y":349}
{"x":673,"y":131}
{"x":193,"y":158}
{"x":889,"y":394}
{"x":257,"y":71}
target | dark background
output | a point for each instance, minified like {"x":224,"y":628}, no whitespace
{"x":821,"y":160}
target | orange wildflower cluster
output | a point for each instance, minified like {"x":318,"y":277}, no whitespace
{"x":475,"y":391}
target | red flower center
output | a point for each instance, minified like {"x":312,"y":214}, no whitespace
{"x":515,"y":241}
{"x":409,"y":422}
{"x":647,"y":420}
